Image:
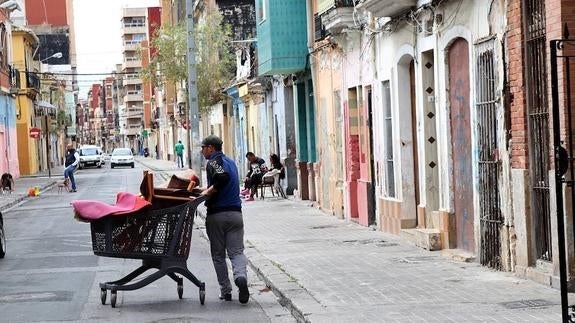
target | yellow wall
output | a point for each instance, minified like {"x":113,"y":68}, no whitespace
{"x":27,"y":147}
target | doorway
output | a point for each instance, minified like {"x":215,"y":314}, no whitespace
{"x":459,"y":112}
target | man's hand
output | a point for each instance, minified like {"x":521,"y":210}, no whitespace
{"x":208,"y":191}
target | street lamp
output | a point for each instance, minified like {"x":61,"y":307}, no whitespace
{"x":55,"y":55}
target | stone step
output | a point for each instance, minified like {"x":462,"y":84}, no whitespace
{"x":429,"y":239}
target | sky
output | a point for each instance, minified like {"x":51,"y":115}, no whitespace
{"x":98,"y":37}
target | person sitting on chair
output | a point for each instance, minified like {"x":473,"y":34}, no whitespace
{"x":256,"y":170}
{"x":277,"y":172}
{"x":7,"y":182}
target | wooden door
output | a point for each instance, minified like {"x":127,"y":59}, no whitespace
{"x":458,"y":60}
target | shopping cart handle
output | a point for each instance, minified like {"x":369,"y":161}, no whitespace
{"x":196,"y":201}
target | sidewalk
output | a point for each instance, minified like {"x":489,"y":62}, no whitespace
{"x":329,"y":270}
{"x":23,"y":183}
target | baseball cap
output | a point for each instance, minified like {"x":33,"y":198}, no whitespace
{"x":212,"y":140}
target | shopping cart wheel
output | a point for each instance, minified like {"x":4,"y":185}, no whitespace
{"x":103,"y":294}
{"x":113,"y":298}
{"x":180,"y":289}
{"x":202,"y":293}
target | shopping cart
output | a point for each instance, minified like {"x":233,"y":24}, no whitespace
{"x":160,"y":236}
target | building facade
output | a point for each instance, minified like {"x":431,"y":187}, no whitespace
{"x":138,"y":28}
{"x":8,"y":133}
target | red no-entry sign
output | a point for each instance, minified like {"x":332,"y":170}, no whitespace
{"x":35,"y":132}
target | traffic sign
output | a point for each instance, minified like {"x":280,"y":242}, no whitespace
{"x":35,"y":132}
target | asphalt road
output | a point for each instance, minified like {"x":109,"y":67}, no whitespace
{"x":51,"y":274}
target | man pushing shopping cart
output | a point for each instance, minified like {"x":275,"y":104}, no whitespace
{"x":157,"y":227}
{"x":224,"y":222}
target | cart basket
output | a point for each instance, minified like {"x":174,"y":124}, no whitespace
{"x":147,"y":234}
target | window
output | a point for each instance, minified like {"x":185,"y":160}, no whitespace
{"x":389,"y":167}
{"x":4,"y":49}
{"x":138,"y":37}
{"x":262,"y":9}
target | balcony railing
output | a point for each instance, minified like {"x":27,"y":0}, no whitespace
{"x":133,"y":96}
{"x":325,"y":5}
{"x":131,"y":44}
{"x":134,"y":24}
{"x":14,"y":79}
{"x":32,"y":81}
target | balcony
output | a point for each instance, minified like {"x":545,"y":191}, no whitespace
{"x":14,"y":80}
{"x":134,"y":113}
{"x":131,"y":129}
{"x":132,"y":96}
{"x":337,"y":17}
{"x":325,"y":5}
{"x":282,"y":41}
{"x":32,"y":81}
{"x":132,"y":79}
{"x":131,"y":45}
{"x":386,"y":8}
{"x":131,"y":62}
{"x":133,"y":28}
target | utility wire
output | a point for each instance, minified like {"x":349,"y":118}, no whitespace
{"x":82,"y":74}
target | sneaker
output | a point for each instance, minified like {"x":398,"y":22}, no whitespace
{"x":249,"y":199}
{"x":244,"y":293}
{"x":226,"y":297}
{"x":72,"y":191}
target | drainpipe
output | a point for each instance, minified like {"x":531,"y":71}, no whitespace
{"x":310,"y":41}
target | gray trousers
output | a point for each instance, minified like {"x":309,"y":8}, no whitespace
{"x":226,"y":233}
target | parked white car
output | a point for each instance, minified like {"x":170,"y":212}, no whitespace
{"x":122,"y":157}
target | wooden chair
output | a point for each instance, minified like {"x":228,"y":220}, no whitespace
{"x":164,"y":197}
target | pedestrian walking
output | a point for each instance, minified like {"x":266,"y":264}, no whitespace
{"x":179,"y":149}
{"x":224,"y":222}
{"x":72,"y":160}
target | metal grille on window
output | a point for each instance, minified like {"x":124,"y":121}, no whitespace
{"x":388,"y":139}
{"x":489,"y":169}
{"x":538,"y":110}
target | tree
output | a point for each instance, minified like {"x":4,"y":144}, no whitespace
{"x":214,"y":58}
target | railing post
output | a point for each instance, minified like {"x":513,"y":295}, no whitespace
{"x":559,"y":182}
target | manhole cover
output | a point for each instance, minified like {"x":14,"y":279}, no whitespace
{"x":529,"y":303}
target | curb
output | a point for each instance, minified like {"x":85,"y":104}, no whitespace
{"x":22,"y":198}
{"x":273,"y":276}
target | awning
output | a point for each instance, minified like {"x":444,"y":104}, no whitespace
{"x":44,"y":105}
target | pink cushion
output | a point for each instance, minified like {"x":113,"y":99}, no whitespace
{"x":126,"y":203}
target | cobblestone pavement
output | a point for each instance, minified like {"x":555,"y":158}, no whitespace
{"x":330,"y":270}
